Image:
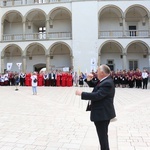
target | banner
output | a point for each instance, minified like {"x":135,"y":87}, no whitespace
{"x":93,"y":61}
{"x":66,"y":69}
{"x":9,"y":66}
{"x":19,"y":64}
{"x":93,"y":64}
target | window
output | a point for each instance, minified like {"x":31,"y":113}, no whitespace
{"x":42,"y":29}
{"x":132,"y":30}
{"x":110,"y":63}
{"x":133,"y":64}
{"x":42,"y":32}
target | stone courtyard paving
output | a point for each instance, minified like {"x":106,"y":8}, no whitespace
{"x":56,"y":119}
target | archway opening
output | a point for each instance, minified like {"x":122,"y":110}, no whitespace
{"x":38,"y":67}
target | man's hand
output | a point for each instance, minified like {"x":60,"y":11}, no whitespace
{"x":78,"y":92}
{"x":89,"y":77}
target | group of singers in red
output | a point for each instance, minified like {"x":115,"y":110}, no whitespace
{"x":122,"y":78}
{"x":54,"y":78}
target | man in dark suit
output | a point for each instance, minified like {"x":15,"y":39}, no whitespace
{"x":52,"y":79}
{"x":102,"y":107}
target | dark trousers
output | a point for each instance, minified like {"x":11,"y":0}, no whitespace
{"x":52,"y":82}
{"x":102,"y":131}
{"x":22,"y":81}
{"x":145,"y":83}
{"x":46,"y":82}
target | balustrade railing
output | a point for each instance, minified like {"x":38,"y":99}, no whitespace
{"x":37,"y":36}
{"x":115,"y":33}
{"x":127,"y":33}
{"x":60,"y":35}
{"x":12,"y":37}
{"x":137,"y":33}
{"x":68,"y":35}
{"x":28,"y":2}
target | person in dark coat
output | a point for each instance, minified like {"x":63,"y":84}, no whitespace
{"x":22,"y":78}
{"x":17,"y":80}
{"x":81,"y":81}
{"x":52,"y":79}
{"x":102,"y":103}
{"x":116,"y":80}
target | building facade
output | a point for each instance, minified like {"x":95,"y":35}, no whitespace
{"x":79,"y":34}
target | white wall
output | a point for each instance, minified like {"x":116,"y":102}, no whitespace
{"x":142,"y":62}
{"x":35,"y":60}
{"x":112,"y":56}
{"x":107,"y":22}
{"x":60,"y":61}
{"x":61,"y":26}
{"x":13,"y":28}
{"x":85,"y":34}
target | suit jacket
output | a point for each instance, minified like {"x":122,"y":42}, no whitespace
{"x":50,"y":76}
{"x":102,"y":97}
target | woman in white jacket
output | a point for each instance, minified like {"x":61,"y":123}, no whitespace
{"x":34,"y":83}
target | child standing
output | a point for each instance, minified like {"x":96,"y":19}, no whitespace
{"x":34,"y":83}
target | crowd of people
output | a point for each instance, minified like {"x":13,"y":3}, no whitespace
{"x":121,"y":78}
{"x":53,"y":78}
{"x":138,"y":79}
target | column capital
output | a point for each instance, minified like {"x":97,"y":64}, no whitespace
{"x":47,"y":55}
{"x":71,"y":57}
{"x":2,"y":57}
{"x":123,"y":17}
{"x":24,"y":57}
{"x":124,"y":54}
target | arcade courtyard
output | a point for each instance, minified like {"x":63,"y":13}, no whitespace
{"x":55,"y":119}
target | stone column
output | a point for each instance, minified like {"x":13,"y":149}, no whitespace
{"x":47,"y":28}
{"x":24,"y":61}
{"x":13,"y":2}
{"x":24,"y":29}
{"x":2,"y":31}
{"x":2,"y":64}
{"x":4,"y":2}
{"x":124,"y":61}
{"x":99,"y":60}
{"x":48,"y":63}
{"x":149,"y":60}
{"x":124,"y":26}
{"x":149,"y":26}
{"x":24,"y":2}
{"x":71,"y":57}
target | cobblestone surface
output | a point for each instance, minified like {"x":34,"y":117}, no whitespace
{"x":56,"y":119}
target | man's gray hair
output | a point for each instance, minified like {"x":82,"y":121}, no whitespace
{"x":105,"y":69}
